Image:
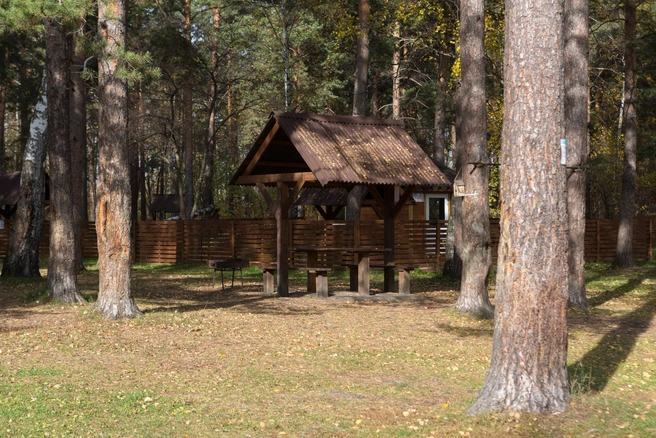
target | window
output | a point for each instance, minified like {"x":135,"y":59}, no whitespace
{"x":437,"y":207}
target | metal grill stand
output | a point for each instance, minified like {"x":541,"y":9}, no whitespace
{"x":228,"y":264}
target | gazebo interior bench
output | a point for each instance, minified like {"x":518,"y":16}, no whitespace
{"x":403,"y":270}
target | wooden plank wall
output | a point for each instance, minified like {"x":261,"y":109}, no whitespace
{"x":419,"y":242}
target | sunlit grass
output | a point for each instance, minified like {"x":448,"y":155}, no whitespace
{"x":206,"y":362}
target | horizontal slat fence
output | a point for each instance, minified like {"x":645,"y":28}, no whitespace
{"x":419,"y":243}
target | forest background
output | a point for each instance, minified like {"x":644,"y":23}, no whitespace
{"x":228,"y":64}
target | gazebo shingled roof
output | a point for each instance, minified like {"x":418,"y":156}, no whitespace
{"x":338,"y":150}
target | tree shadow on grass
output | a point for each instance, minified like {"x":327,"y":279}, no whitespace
{"x":465,"y":331}
{"x":618,"y":292}
{"x":594,"y":370}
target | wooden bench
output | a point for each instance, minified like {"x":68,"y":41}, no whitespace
{"x":317,"y":281}
{"x":267,"y":278}
{"x":404,"y":275}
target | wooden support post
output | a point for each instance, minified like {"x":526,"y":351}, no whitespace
{"x":282,"y":222}
{"x":404,"y":281}
{"x":267,"y":280}
{"x":322,"y":284}
{"x":363,"y":274}
{"x":388,"y":282}
{"x":356,"y":239}
{"x":313,"y":262}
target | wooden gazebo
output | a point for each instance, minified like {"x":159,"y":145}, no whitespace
{"x":298,"y":150}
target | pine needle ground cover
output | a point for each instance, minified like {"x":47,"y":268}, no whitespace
{"x":206,"y":362}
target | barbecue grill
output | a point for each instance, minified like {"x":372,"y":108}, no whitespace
{"x":228,"y":264}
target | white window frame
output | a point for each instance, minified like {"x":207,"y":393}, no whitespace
{"x":447,"y":206}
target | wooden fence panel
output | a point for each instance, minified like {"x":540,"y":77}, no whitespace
{"x":158,"y":241}
{"x":420,"y":243}
{"x":255,"y":240}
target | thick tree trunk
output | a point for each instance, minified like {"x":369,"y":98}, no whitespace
{"x":188,"y":132}
{"x":113,"y":205}
{"x":3,"y":105}
{"x":78,"y":132}
{"x":576,"y":134}
{"x":354,"y":198}
{"x":476,"y":257}
{"x":624,"y":253}
{"x":62,"y":266}
{"x":528,"y":371}
{"x":22,"y":258}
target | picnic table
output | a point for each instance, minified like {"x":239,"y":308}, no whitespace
{"x":363,"y":266}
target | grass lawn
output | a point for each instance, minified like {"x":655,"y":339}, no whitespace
{"x":202,"y":362}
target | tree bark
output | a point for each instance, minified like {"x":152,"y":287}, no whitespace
{"x":528,"y":371}
{"x":206,"y":199}
{"x":22,"y":258}
{"x":375,"y":95}
{"x":187,"y":98}
{"x":624,"y":253}
{"x":78,"y":133}
{"x":285,"y":23}
{"x":362,"y":60}
{"x":396,"y":73}
{"x":452,"y":257}
{"x":576,"y":134}
{"x":113,"y":205}
{"x":439,"y":122}
{"x":476,"y":257}
{"x":3,"y":105}
{"x":354,"y":198}
{"x":62,"y":267}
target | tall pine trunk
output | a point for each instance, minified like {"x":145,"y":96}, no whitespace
{"x":113,"y":191}
{"x":3,"y":106}
{"x":78,"y":133}
{"x":354,"y":198}
{"x":576,"y":134}
{"x":362,"y":60}
{"x":206,"y":199}
{"x":452,"y":257}
{"x":439,"y":121}
{"x":624,"y":252}
{"x":22,"y":258}
{"x":528,"y":371}
{"x":397,"y":92}
{"x":476,"y":257}
{"x":188,"y":132}
{"x":62,"y":266}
